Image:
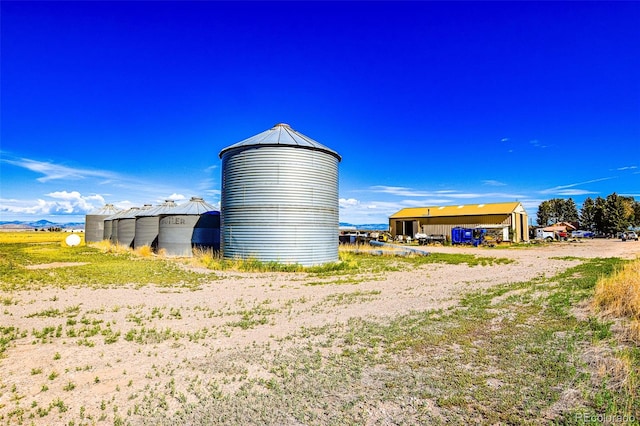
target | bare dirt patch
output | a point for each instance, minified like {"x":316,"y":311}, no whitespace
{"x":55,"y":265}
{"x":100,"y":351}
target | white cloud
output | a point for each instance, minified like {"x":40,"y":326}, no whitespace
{"x":53,"y":171}
{"x":214,"y":193}
{"x":627,"y":168}
{"x":574,"y":192}
{"x":537,"y":144}
{"x":562,"y":189}
{"x":348,"y":202}
{"x":398,"y":190}
{"x":175,"y":197}
{"x":125,"y":204}
{"x":491,"y":182}
{"x":358,"y":212}
{"x":61,"y":203}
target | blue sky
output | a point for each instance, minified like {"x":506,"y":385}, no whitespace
{"x":428,"y":103}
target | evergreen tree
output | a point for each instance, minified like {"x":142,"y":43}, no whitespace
{"x":587,"y":215}
{"x":616,"y":217}
{"x":599,"y":215}
{"x":569,"y":211}
{"x":629,"y":210}
{"x":636,"y":214}
{"x":614,"y":214}
{"x":557,"y":210}
{"x":544,"y":213}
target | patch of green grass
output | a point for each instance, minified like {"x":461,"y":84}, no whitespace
{"x":146,"y":335}
{"x":7,"y":335}
{"x":353,"y":297}
{"x":251,"y":318}
{"x":46,"y":313}
{"x":101,"y":269}
{"x":366,"y":262}
{"x":8,"y":301}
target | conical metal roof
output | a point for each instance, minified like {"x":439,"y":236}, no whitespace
{"x":107,"y":210}
{"x":281,"y":135}
{"x":194,"y":206}
{"x":163,"y":208}
{"x":120,"y":214}
{"x":132,"y":212}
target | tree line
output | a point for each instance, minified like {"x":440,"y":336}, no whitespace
{"x":610,"y":215}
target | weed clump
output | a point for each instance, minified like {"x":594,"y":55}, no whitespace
{"x":144,"y":251}
{"x":619,"y":295}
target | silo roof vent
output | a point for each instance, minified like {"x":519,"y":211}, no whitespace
{"x":107,"y":210}
{"x":281,"y":135}
{"x":196,"y":205}
{"x":131,"y":213}
{"x":163,"y":208}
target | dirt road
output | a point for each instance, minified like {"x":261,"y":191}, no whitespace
{"x":91,"y":347}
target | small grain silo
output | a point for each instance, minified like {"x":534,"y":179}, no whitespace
{"x":111,"y":226}
{"x":189,"y":225}
{"x":127,"y":225}
{"x":148,"y":224}
{"x":280,"y":199}
{"x":94,"y":223}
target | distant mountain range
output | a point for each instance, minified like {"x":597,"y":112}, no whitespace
{"x":44,"y":224}
{"x":39,"y":224}
{"x":368,"y":227}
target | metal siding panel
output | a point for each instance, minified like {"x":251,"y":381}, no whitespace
{"x":175,"y":234}
{"x":94,"y":228}
{"x":280,"y":204}
{"x":126,"y":231}
{"x":206,"y":232}
{"x":107,"y":229}
{"x":114,"y":231}
{"x":147,"y":229}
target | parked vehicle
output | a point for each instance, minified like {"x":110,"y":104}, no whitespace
{"x":629,"y":235}
{"x":429,"y":239}
{"x":541,"y":234}
{"x":467,"y":236}
{"x":582,"y":234}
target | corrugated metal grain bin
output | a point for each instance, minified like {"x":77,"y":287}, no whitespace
{"x":206,"y":232}
{"x":94,"y":223}
{"x":108,"y":224}
{"x":186,"y":226}
{"x":111,"y":224}
{"x":148,"y":224}
{"x":127,"y":226}
{"x":280,"y":199}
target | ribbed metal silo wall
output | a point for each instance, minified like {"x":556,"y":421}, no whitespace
{"x":280,"y":204}
{"x":107,"y":229}
{"x":126,"y":231}
{"x":94,"y":228}
{"x":206,"y":232}
{"x":114,"y":231}
{"x":175,"y":233}
{"x":147,"y":229}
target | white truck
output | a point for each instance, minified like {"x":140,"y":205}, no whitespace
{"x":541,"y":234}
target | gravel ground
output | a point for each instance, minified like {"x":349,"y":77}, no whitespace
{"x":177,"y":327}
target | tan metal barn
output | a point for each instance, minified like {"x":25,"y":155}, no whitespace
{"x":506,"y":219}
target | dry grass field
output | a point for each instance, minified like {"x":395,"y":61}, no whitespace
{"x":90,"y":335}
